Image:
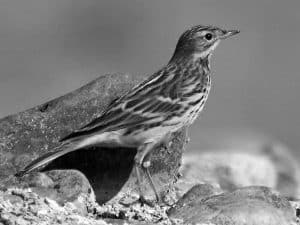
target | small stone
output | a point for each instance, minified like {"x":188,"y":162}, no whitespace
{"x":129,"y":199}
{"x":13,"y":199}
{"x":69,"y":184}
{"x":40,"y":180}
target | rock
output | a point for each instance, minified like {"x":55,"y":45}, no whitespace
{"x":69,"y":184}
{"x":253,"y":205}
{"x":250,"y":205}
{"x":29,"y":134}
{"x":287,"y":168}
{"x":22,"y":207}
{"x":134,"y":212}
{"x":227,"y":170}
{"x":199,"y":191}
{"x":125,"y":222}
{"x":63,"y":186}
{"x":271,"y":165}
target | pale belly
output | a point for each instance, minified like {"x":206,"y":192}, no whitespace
{"x":117,"y":138}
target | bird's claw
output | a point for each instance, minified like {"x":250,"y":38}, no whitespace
{"x":145,"y":201}
{"x":141,"y":200}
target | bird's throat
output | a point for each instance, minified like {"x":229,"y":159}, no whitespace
{"x":192,"y":60}
{"x":200,"y":62}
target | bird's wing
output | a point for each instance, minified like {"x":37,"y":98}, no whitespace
{"x":149,"y":102}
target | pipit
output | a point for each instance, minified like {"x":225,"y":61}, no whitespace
{"x":163,"y":103}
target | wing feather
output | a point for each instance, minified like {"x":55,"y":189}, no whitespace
{"x":143,"y":104}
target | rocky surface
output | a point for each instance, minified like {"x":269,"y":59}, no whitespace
{"x":200,"y":205}
{"x":24,"y":207}
{"x":62,"y":186}
{"x":216,"y":187}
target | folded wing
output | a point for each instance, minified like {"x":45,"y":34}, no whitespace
{"x":144,"y":104}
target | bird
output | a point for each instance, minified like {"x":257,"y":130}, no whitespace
{"x":149,"y":113}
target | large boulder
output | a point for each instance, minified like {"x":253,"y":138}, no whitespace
{"x":27,"y":135}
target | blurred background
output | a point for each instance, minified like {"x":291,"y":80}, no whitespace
{"x":51,"y":47}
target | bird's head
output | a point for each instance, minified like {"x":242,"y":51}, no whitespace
{"x":200,"y":41}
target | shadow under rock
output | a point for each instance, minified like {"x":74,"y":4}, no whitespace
{"x":107,"y":169}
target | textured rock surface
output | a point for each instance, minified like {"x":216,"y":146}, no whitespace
{"x":247,"y":206}
{"x":23,"y":207}
{"x":60,"y":185}
{"x":29,"y":134}
{"x":251,"y":205}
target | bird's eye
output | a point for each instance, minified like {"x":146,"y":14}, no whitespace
{"x":208,"y":36}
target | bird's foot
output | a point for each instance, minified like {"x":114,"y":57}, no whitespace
{"x":146,"y":166}
{"x":136,"y":199}
{"x":143,"y":201}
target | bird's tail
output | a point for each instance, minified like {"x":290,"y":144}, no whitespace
{"x":48,"y":157}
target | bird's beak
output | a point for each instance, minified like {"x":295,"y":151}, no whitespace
{"x":229,"y":33}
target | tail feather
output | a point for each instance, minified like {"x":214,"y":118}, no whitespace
{"x":48,"y":157}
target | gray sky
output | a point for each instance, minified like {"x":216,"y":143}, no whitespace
{"x":50,"y":47}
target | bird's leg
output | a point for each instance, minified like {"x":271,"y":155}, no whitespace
{"x":142,"y":162}
{"x":139,"y":180}
{"x":186,"y":133}
{"x":146,"y":165}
